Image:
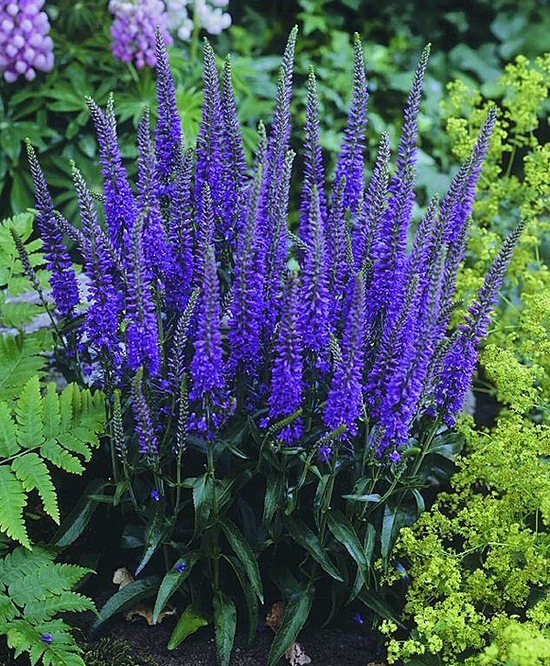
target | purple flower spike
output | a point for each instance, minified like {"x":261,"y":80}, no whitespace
{"x":25,"y":44}
{"x":459,"y":363}
{"x":120,"y":214}
{"x":350,"y":162}
{"x":168,"y":134}
{"x":63,"y":278}
{"x":314,"y":178}
{"x":314,"y":290}
{"x":134,"y":30}
{"x":147,"y":439}
{"x":344,"y":403}
{"x":206,"y":366}
{"x":287,"y":383}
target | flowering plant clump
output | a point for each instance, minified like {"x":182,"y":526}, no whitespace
{"x":278,"y":398}
{"x":133,"y":30}
{"x":25,"y":44}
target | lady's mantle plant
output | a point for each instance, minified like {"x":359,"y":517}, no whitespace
{"x":277,"y":397}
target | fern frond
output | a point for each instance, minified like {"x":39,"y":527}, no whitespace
{"x":19,"y":361}
{"x":29,"y":415}
{"x":44,"y":583}
{"x":8,"y":434}
{"x":60,"y":457}
{"x":51,"y":415}
{"x":31,"y":470}
{"x":13,"y":502}
{"x":66,"y":602}
{"x":7,"y":610}
{"x":21,"y":562}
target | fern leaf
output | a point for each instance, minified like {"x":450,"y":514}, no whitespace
{"x":66,"y":407}
{"x":28,"y":412}
{"x":73,"y":443}
{"x":60,"y":457}
{"x":66,"y":602}
{"x":19,"y":361}
{"x":8,"y":436}
{"x":22,"y":562}
{"x":13,"y":502}
{"x":46,"y":582}
{"x":7,"y":610}
{"x":31,"y":470}
{"x":52,"y":417}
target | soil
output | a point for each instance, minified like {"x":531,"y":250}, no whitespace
{"x":325,"y":647}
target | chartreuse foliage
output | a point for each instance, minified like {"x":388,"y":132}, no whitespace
{"x":43,"y":430}
{"x":33,"y":591}
{"x":478,"y":563}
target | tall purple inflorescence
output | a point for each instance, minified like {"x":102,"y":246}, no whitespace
{"x":287,"y":382}
{"x":63,"y":278}
{"x":120,"y":214}
{"x":142,"y":335}
{"x":25,"y":43}
{"x":345,"y":401}
{"x":133,"y":30}
{"x":206,"y":367}
{"x":314,"y":291}
{"x":105,"y":306}
{"x":147,"y":438}
{"x":350,"y":162}
{"x":168,"y":136}
{"x":459,"y":362}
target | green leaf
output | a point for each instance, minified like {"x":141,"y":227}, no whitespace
{"x":377,"y":604}
{"x":272,"y":500}
{"x":171,"y":582}
{"x":8,"y":437}
{"x":301,"y":533}
{"x":249,"y":596}
{"x":77,"y":520}
{"x":13,"y":502}
{"x":203,"y":490}
{"x":225,"y":625}
{"x":373,"y":497}
{"x":31,"y":470}
{"x":343,"y":531}
{"x":28,"y":412}
{"x":245,"y":554}
{"x":60,"y":457}
{"x":18,"y":363}
{"x":52,"y":418}
{"x":125,"y":598}
{"x":188,"y":623}
{"x":154,"y":534}
{"x":296,"y":613}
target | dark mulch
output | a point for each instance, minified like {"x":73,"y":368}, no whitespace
{"x":336,"y":646}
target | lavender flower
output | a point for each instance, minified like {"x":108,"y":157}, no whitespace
{"x":287,"y":384}
{"x":314,"y":290}
{"x":142,"y":336}
{"x":46,"y":638}
{"x":324,"y":453}
{"x":156,"y":249}
{"x":209,"y":15}
{"x":459,"y":362}
{"x":147,"y":439}
{"x":168,"y":135}
{"x":63,"y":278}
{"x":180,"y":567}
{"x":25,"y":45}
{"x":344,"y":403}
{"x":133,"y":30}
{"x":245,"y":324}
{"x":350,"y":160}
{"x":155,"y":495}
{"x":206,"y":368}
{"x":233,"y":187}
{"x":120,"y":214}
{"x":102,"y":315}
{"x":313,"y":160}
{"x":209,"y":147}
